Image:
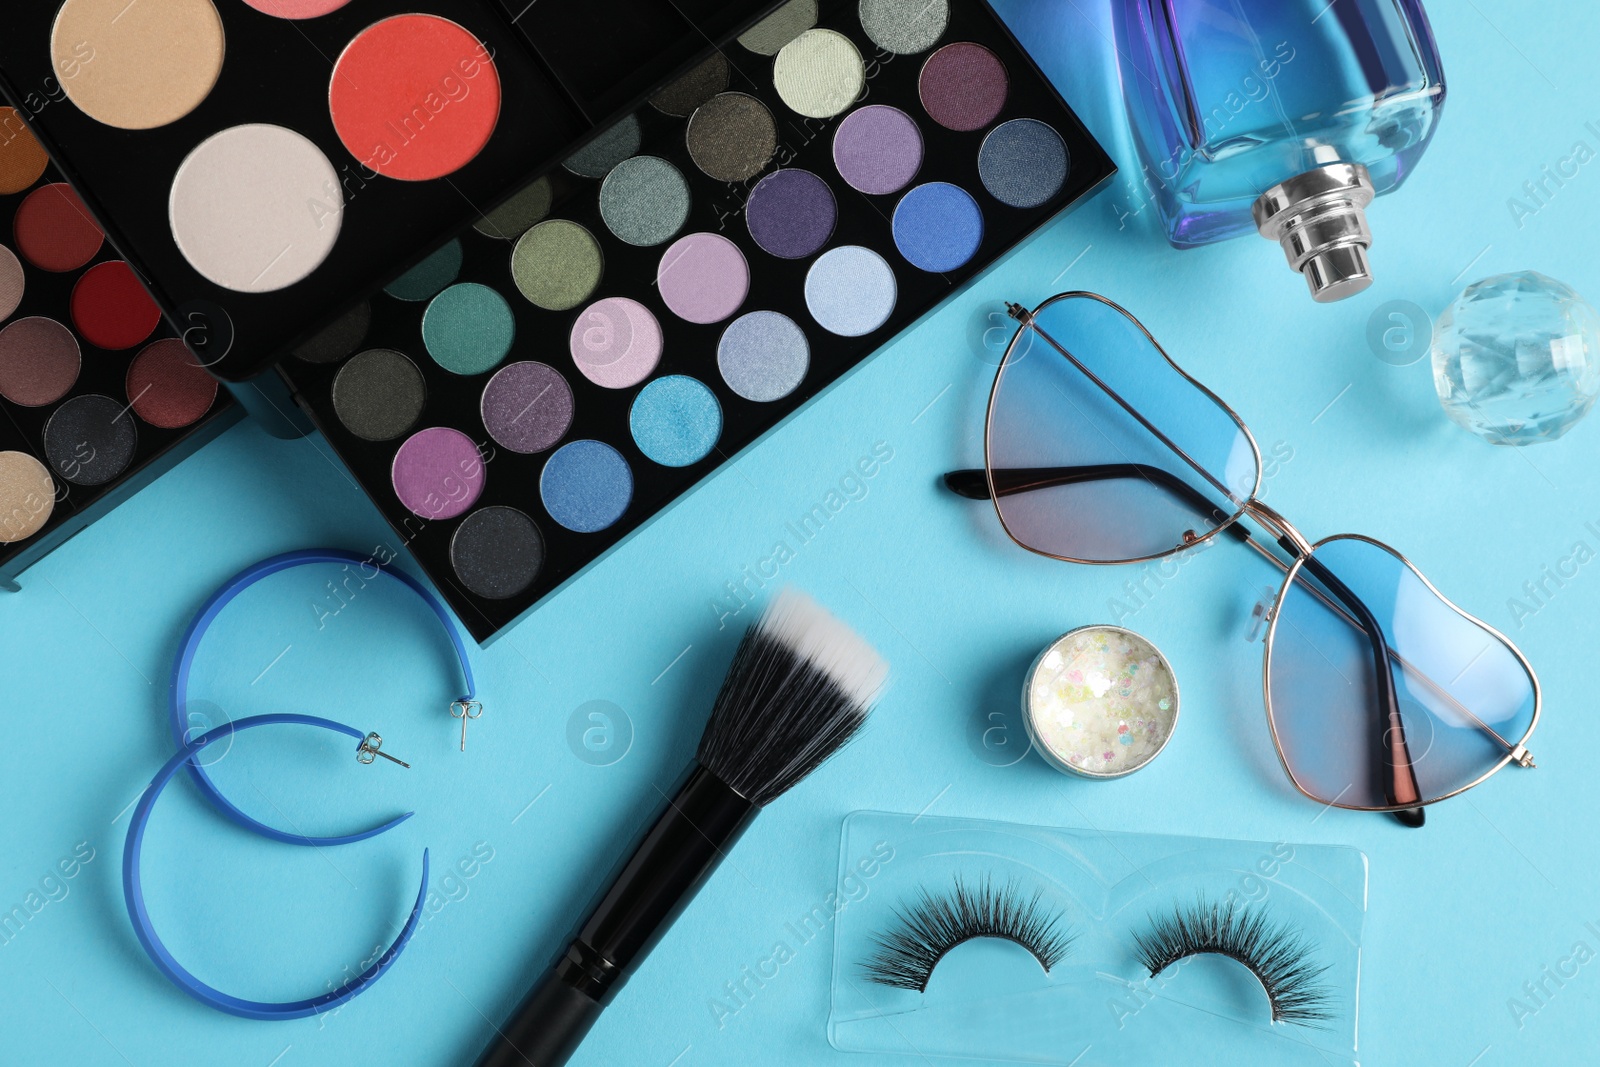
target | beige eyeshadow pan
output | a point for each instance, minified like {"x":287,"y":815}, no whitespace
{"x":27,"y":496}
{"x":140,"y":65}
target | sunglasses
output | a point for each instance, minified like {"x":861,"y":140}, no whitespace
{"x":1381,"y":694}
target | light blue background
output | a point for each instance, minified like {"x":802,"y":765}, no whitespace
{"x":1498,"y":886}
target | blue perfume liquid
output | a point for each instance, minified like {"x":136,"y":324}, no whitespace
{"x":1229,"y":98}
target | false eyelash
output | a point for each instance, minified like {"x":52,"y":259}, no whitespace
{"x":924,"y":931}
{"x":1277,"y":954}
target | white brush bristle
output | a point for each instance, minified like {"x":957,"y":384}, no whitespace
{"x":805,"y":627}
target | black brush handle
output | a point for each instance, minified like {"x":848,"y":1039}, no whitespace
{"x":547,"y":1029}
{"x":673,"y":857}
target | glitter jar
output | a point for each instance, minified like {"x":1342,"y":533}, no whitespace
{"x":1100,"y":702}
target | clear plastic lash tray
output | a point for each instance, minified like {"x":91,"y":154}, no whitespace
{"x":989,"y":998}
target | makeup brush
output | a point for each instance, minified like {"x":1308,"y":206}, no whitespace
{"x":800,"y":687}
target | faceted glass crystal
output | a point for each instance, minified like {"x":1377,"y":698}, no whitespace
{"x":1516,"y":358}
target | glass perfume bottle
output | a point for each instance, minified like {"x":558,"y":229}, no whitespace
{"x":1282,"y":116}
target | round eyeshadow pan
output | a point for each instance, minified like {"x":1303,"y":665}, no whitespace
{"x":644,"y":201}
{"x":518,"y":215}
{"x":167,"y":388}
{"x":13,"y":283}
{"x":905,"y":27}
{"x":964,"y":86}
{"x":676,"y":420}
{"x":39,"y":361}
{"x":595,"y":159}
{"x":616,"y":342}
{"x":819,"y":73}
{"x":878,"y":149}
{"x":379,"y":394}
{"x":703,"y":278}
{"x":527,"y":407}
{"x":586,"y":486}
{"x":27,"y":497}
{"x":437,"y":473}
{"x":384,"y":75}
{"x":850,"y":291}
{"x":428,"y":279}
{"x":22,"y":158}
{"x":111,"y":309}
{"x":256,"y":208}
{"x":468,"y":328}
{"x":556,"y":265}
{"x":763,"y":356}
{"x":681,"y":97}
{"x":791,"y":213}
{"x":90,"y":439}
{"x":497,"y":552}
{"x":340,"y":338}
{"x":731,"y":137}
{"x":1023,"y":163}
{"x":938,"y":227}
{"x":297,"y":9}
{"x":55,"y":231}
{"x":137,"y":66}
{"x":769,"y":35}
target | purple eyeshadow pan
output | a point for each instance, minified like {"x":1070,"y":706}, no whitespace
{"x":438,"y":473}
{"x":878,"y":149}
{"x":791,"y":213}
{"x":527,"y":407}
{"x":703,"y":277}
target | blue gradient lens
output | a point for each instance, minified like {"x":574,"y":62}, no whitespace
{"x":1100,"y":450}
{"x":1466,"y":696}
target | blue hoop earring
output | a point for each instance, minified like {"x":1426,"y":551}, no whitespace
{"x":177,"y":700}
{"x":133,"y":891}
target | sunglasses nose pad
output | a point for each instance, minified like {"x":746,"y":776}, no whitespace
{"x":1256,"y":630}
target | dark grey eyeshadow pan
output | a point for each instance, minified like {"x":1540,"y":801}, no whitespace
{"x":90,"y":439}
{"x":497,"y":552}
{"x":379,"y":394}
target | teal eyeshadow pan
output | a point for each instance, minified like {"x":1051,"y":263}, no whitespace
{"x":468,"y":329}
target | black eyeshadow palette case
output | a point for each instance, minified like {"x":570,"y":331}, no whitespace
{"x":549,"y":379}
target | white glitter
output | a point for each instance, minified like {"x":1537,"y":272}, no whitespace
{"x":1100,"y":701}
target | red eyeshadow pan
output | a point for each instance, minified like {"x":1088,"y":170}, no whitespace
{"x":167,"y":388}
{"x":55,"y":231}
{"x":415,"y":97}
{"x":111,"y":309}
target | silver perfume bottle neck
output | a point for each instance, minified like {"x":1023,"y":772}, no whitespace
{"x":1320,"y":219}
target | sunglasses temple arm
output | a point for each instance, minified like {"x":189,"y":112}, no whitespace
{"x":1411,"y":669}
{"x":1393,"y":755}
{"x":974,"y":485}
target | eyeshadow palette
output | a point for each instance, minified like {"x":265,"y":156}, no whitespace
{"x":548,"y":380}
{"x":97,"y":396}
{"x":263,"y":164}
